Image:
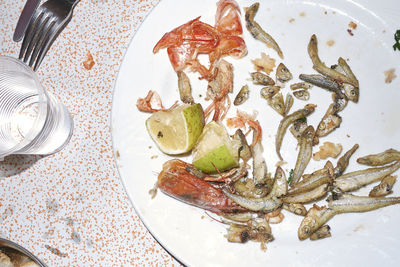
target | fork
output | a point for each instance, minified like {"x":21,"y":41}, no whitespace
{"x":44,"y":27}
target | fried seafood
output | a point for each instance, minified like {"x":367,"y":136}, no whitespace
{"x":185,"y":89}
{"x":302,"y":95}
{"x":269,"y":91}
{"x":357,"y":179}
{"x":304,"y":155}
{"x":320,"y":67}
{"x":287,"y":121}
{"x":283,"y":74}
{"x":343,"y":161}
{"x":257,"y":32}
{"x":242,"y":96}
{"x":261,"y":78}
{"x":384,"y":187}
{"x":175,"y":181}
{"x":187,"y":41}
{"x":277,"y":103}
{"x":383,"y":158}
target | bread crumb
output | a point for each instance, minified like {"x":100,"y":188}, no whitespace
{"x":154,"y":156}
{"x":353,"y":25}
{"x":328,"y":149}
{"x":389,"y":75}
{"x":265,"y":63}
{"x":302,"y":14}
{"x":89,"y":62}
{"x":330,"y":42}
{"x":291,"y":20}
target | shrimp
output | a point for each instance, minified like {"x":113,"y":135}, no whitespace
{"x":187,"y":41}
{"x":152,"y":98}
{"x":176,"y":181}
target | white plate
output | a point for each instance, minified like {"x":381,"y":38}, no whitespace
{"x":187,"y":232}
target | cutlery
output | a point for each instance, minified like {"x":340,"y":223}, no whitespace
{"x":46,"y":24}
{"x":25,"y":17}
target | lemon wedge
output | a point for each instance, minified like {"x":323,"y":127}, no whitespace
{"x":176,"y":131}
{"x":215,"y":149}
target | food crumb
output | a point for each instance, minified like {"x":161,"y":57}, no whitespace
{"x":149,"y":147}
{"x":154,"y":157}
{"x":302,"y":14}
{"x":265,"y":63}
{"x":89,"y":62}
{"x":326,"y":12}
{"x":358,"y":228}
{"x":348,"y":136}
{"x":353,"y":25}
{"x":328,"y":149}
{"x":350,"y":32}
{"x":389,"y":75}
{"x":330,"y":42}
{"x":117,"y":154}
{"x":291,"y":20}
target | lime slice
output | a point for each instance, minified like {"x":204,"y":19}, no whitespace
{"x":215,"y":149}
{"x":176,"y":131}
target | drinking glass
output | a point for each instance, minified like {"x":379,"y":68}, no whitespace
{"x":32,"y":120}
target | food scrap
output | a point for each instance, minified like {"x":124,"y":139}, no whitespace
{"x":328,"y":149}
{"x":389,"y":75}
{"x":265,"y":63}
{"x":353,"y":25}
{"x":89,"y":62}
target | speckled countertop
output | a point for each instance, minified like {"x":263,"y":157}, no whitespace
{"x":71,"y":209}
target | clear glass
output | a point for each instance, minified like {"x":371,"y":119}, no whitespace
{"x":32,"y":120}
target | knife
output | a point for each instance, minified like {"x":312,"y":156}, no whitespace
{"x":23,"y":21}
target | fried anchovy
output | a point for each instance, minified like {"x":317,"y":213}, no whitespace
{"x":318,"y":216}
{"x":323,"y":82}
{"x":308,"y":196}
{"x":287,"y":121}
{"x":269,"y":91}
{"x":354,"y":180}
{"x":343,"y":161}
{"x":265,"y":204}
{"x":383,"y":158}
{"x":185,"y":89}
{"x":312,"y":181}
{"x":260,"y":170}
{"x":257,"y":32}
{"x":244,"y":150}
{"x":295,"y":208}
{"x":351,"y":92}
{"x":384,"y":187}
{"x":304,"y":155}
{"x":260,"y":78}
{"x":283,"y":74}
{"x":319,"y":66}
{"x":242,"y":96}
{"x":277,"y":103}
{"x":329,"y":122}
{"x":301,"y":85}
{"x":322,"y":232}
{"x":288,"y":103}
